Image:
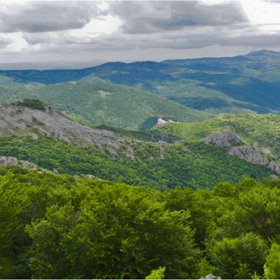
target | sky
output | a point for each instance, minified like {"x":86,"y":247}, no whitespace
{"x":67,"y":34}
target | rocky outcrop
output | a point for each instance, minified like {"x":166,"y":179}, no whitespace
{"x":8,"y":161}
{"x":53,"y":124}
{"x":164,"y":136}
{"x":129,"y":152}
{"x":225,"y":139}
{"x":12,"y":161}
{"x":274,"y":166}
{"x":247,"y":153}
{"x":27,"y":164}
{"x":161,"y":122}
{"x":231,"y":141}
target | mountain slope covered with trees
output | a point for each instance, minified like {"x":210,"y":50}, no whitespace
{"x":50,"y":140}
{"x":106,"y":104}
{"x":57,"y":226}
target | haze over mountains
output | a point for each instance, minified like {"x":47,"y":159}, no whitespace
{"x":242,"y":84}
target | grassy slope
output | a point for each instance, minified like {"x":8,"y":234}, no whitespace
{"x":107,"y":104}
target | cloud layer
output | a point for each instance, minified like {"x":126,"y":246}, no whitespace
{"x":119,"y":30}
{"x":153,"y":17}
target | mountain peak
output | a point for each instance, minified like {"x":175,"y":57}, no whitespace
{"x":264,"y":53}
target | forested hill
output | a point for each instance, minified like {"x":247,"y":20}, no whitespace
{"x":242,"y":84}
{"x":101,"y":103}
{"x":34,"y":132}
{"x":58,"y":226}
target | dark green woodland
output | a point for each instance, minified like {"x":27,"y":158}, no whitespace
{"x":141,"y":170}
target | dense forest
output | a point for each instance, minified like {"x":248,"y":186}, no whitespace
{"x":158,"y":166}
{"x":59,"y":226}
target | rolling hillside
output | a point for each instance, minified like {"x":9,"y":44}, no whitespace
{"x":242,"y":84}
{"x":106,"y":104}
{"x":46,"y":138}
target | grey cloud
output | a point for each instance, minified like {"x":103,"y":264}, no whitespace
{"x":42,"y":38}
{"x":148,"y":27}
{"x":188,"y":39}
{"x":149,"y":17}
{"x":4,"y":42}
{"x":48,"y":16}
{"x":177,"y":40}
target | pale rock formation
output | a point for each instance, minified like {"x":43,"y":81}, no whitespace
{"x":247,"y":153}
{"x":225,"y":139}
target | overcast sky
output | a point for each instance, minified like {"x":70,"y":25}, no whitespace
{"x":91,"y":32}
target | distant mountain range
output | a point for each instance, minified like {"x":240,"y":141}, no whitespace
{"x":209,"y":86}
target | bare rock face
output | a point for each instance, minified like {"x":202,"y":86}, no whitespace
{"x":52,"y":123}
{"x":28,"y":165}
{"x":8,"y":161}
{"x":164,"y":136}
{"x":229,"y":140}
{"x":12,"y":161}
{"x":247,"y":153}
{"x":225,"y":139}
{"x":162,"y":122}
{"x":274,"y":166}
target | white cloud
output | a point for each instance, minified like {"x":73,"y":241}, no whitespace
{"x":105,"y":25}
{"x":260,"y":12}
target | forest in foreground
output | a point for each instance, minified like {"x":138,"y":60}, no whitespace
{"x":59,"y":226}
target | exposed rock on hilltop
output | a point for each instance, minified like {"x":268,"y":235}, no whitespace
{"x":247,"y":153}
{"x":225,"y":139}
{"x":15,"y":120}
{"x":274,"y":166}
{"x":12,"y":161}
{"x":230,"y":140}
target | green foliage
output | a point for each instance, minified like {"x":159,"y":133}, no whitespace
{"x":57,"y":226}
{"x":156,"y":274}
{"x":64,"y":225}
{"x":239,"y":257}
{"x":33,"y":103}
{"x":272,"y":264}
{"x":195,"y":165}
{"x":203,"y":268}
{"x":123,"y":230}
